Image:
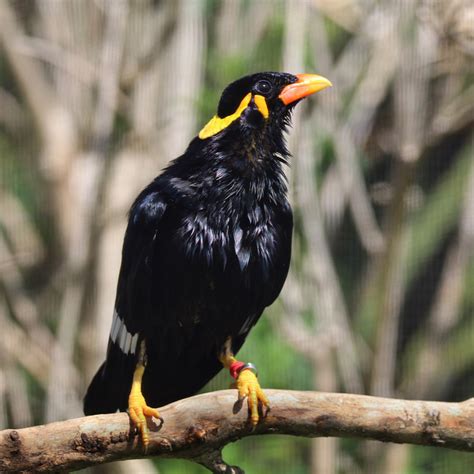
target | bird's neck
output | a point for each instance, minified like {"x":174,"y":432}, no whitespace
{"x":253,"y":162}
{"x":244,"y":167}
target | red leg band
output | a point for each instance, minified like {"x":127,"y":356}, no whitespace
{"x":235,"y":368}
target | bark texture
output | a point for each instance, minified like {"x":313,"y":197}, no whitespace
{"x":198,"y":428}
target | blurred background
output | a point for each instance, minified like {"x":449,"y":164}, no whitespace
{"x":96,"y":96}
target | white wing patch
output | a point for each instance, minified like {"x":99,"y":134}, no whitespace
{"x":115,"y":326}
{"x":121,"y":336}
{"x":133,"y":344}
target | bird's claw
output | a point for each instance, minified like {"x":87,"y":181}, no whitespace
{"x":138,"y":411}
{"x":248,"y":386}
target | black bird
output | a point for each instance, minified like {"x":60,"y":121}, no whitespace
{"x":207,"y":248}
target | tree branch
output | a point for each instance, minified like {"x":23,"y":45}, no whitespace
{"x":198,"y":428}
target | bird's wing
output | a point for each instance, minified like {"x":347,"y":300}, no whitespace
{"x":135,"y":279}
{"x":110,"y":387}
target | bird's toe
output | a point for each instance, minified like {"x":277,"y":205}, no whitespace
{"x":248,"y":386}
{"x":139,"y":411}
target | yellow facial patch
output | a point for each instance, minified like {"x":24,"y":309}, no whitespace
{"x":216,"y":124}
{"x":261,"y":103}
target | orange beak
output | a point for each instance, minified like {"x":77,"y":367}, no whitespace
{"x":306,"y":84}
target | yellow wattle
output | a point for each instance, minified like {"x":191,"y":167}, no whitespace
{"x":216,"y":124}
{"x":261,"y":105}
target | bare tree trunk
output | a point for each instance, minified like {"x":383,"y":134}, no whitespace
{"x":62,"y":394}
{"x":324,"y":452}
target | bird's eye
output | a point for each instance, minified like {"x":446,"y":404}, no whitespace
{"x":263,"y":86}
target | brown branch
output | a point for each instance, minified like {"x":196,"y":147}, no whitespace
{"x":198,"y":428}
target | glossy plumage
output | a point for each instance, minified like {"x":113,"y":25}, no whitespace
{"x":207,"y":248}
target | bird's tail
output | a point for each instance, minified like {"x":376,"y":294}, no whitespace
{"x":108,"y":391}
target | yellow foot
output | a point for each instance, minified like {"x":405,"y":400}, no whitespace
{"x":138,"y":411}
{"x":248,"y":386}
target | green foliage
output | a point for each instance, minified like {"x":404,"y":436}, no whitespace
{"x":439,"y":214}
{"x":431,"y":460}
{"x":427,"y":229}
{"x":276,"y":454}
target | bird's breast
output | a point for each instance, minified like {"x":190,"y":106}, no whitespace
{"x":220,"y":243}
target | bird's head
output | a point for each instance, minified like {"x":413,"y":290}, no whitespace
{"x":261,"y":101}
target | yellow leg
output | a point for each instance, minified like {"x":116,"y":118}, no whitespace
{"x":247,"y":384}
{"x":137,"y":406}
